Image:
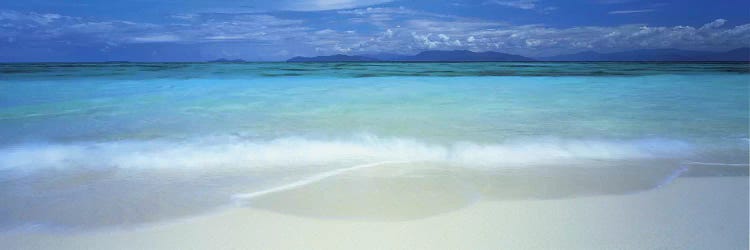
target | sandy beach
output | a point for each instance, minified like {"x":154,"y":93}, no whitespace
{"x":375,"y":124}
{"x":690,"y":213}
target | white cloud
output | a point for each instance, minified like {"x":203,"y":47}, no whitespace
{"x":319,"y":5}
{"x":397,"y":30}
{"x":519,"y":4}
{"x":715,"y":24}
{"x":200,"y":28}
{"x":460,"y":25}
{"x":32,"y":17}
{"x":613,"y":1}
{"x":382,"y":16}
{"x":388,"y":33}
{"x":157,"y":38}
{"x":379,"y":10}
{"x":538,"y":40}
{"x":616,"y":12}
{"x":325,"y":32}
{"x":530,"y":5}
{"x":425,"y":40}
{"x":184,"y":16}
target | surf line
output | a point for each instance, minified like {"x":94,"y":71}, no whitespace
{"x":671,"y":177}
{"x":238,"y":198}
{"x":716,"y":163}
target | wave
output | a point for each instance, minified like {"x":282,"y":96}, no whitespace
{"x":716,"y":164}
{"x":234,"y":152}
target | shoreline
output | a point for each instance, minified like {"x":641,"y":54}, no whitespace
{"x":689,"y":213}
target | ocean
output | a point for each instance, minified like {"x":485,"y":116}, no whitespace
{"x":112,"y":145}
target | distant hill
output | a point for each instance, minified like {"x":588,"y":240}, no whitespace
{"x":463,"y":56}
{"x":425,"y":56}
{"x":333,"y":58}
{"x":224,"y":60}
{"x":676,"y":55}
{"x":740,"y":54}
{"x":385,"y":56}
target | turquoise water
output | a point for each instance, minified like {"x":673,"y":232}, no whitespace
{"x":96,"y":145}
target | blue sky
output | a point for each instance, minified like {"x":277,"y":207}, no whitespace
{"x":171,"y":30}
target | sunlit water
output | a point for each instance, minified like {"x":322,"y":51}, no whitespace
{"x":86,"y":146}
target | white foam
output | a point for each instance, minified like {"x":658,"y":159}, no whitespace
{"x":671,"y":177}
{"x":717,"y":164}
{"x":300,"y":152}
{"x":310,"y":180}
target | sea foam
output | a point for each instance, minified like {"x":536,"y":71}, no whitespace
{"x":233,"y":152}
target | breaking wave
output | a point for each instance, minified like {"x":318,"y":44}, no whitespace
{"x":226,"y":152}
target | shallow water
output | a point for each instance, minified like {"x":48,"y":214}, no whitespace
{"x":107,"y":145}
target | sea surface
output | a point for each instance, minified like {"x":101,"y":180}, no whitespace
{"x":112,"y":145}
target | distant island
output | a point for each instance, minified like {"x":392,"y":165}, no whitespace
{"x":671,"y":55}
{"x":425,"y":56}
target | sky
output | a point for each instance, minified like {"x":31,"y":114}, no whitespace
{"x":189,"y":30}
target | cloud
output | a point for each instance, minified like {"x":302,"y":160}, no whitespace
{"x":368,"y":30}
{"x":519,"y":4}
{"x":714,"y":24}
{"x":379,"y":10}
{"x":156,"y":38}
{"x":531,"y":5}
{"x":264,"y":6}
{"x":197,"y":28}
{"x":456,"y":25}
{"x":613,"y":1}
{"x":538,"y":40}
{"x":384,"y":16}
{"x":630,"y":11}
{"x":31,"y":17}
{"x":320,"y":5}
{"x":35,"y":27}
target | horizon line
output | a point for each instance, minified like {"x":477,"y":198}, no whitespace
{"x":534,"y":58}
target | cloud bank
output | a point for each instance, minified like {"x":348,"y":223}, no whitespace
{"x":366,"y":31}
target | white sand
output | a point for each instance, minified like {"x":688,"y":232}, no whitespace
{"x":690,"y":213}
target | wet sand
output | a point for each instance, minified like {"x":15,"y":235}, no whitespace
{"x":688,"y":213}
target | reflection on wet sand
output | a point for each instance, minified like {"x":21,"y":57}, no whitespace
{"x":418,"y":190}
